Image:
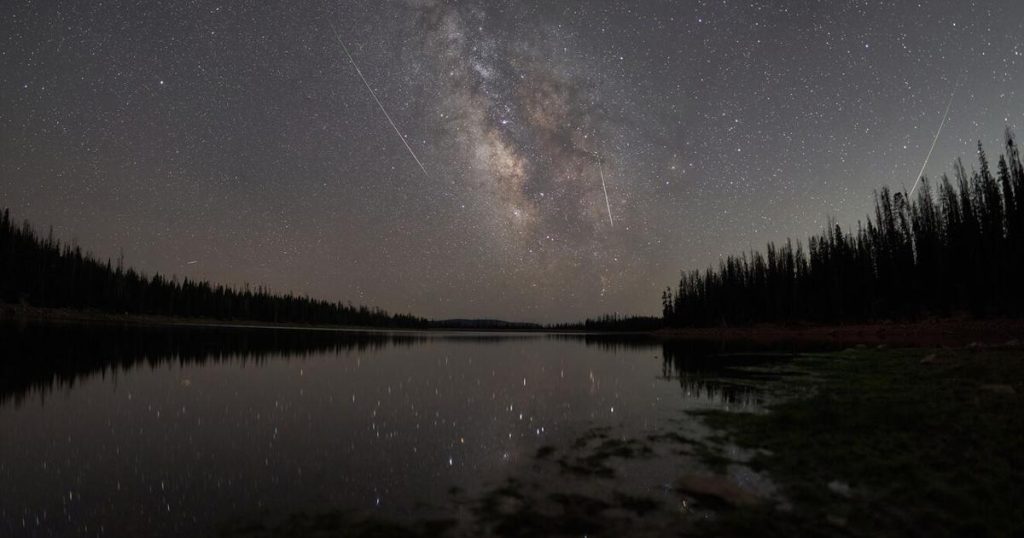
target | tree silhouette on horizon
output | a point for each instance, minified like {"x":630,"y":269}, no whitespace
{"x":957,"y":252}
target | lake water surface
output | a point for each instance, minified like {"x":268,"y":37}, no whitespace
{"x":121,"y":431}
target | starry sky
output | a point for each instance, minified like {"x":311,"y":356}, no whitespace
{"x":236,"y":142}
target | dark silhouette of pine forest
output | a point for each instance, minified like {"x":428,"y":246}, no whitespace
{"x":958,"y":251}
{"x":611,"y":323}
{"x":46,"y":273}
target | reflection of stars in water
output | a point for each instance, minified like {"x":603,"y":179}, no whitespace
{"x":397,"y":424}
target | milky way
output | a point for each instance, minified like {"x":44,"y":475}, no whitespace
{"x":234,"y":142}
{"x":522,"y":124}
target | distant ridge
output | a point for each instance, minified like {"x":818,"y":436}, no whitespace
{"x":483,"y":324}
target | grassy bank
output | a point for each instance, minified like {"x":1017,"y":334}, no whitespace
{"x":931,"y":332}
{"x":889,"y":442}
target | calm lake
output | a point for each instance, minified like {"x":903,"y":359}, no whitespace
{"x":185,"y":431}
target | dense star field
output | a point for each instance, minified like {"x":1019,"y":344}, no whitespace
{"x":573,"y":157}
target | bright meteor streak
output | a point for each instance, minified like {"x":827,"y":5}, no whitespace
{"x":934,"y":140}
{"x":379,"y":104}
{"x":600,"y":170}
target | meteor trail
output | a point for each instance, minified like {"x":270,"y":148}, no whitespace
{"x":600,"y":170}
{"x":379,"y":104}
{"x":934,"y":140}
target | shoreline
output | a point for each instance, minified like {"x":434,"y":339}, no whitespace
{"x":73,"y":315}
{"x":944,"y":332}
{"x":18,"y":313}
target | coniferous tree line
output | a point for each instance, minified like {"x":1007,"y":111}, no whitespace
{"x":951,"y":251}
{"x":611,"y":322}
{"x":46,"y":273}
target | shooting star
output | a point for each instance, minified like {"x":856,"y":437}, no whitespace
{"x":934,"y":140}
{"x":379,"y":104}
{"x":607,"y":204}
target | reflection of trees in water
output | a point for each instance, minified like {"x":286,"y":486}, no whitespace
{"x":719,"y":393}
{"x":723,"y":374}
{"x":43,"y":357}
{"x":718,"y":372}
{"x":610,"y":342}
{"x":709,"y":347}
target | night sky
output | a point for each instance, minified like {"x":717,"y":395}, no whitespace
{"x":236,"y":142}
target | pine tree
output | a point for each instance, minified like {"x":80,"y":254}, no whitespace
{"x":958,"y":250}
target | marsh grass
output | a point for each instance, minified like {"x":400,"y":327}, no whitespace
{"x":889,"y":442}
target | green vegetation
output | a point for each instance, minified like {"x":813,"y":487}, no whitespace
{"x":908,"y":443}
